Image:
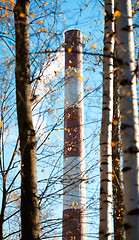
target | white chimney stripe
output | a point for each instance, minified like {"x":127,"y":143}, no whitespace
{"x":73,"y":88}
{"x":74,"y":185}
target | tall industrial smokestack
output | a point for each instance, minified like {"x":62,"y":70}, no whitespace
{"x":74,"y":185}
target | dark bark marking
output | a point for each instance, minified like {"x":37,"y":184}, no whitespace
{"x":106,"y":201}
{"x":105,"y":180}
{"x":108,"y":234}
{"x":125,"y":82}
{"x":127,"y":226}
{"x":106,"y":108}
{"x":121,"y":62}
{"x":102,"y":191}
{"x":132,"y":149}
{"x":108,"y":17}
{"x":127,"y":28}
{"x":125,"y":169}
{"x":134,"y":212}
{"x":124,"y":126}
{"x":104,"y":163}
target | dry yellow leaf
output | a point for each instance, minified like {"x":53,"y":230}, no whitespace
{"x":32,"y":15}
{"x":129,"y":111}
{"x":117,"y":13}
{"x":128,"y":93}
{"x":72,"y":205}
{"x":79,"y":76}
{"x":0,"y":123}
{"x":72,"y":238}
{"x":27,"y":6}
{"x":113,"y":144}
{"x":41,"y":21}
{"x":107,"y":35}
{"x":115,"y":122}
{"x":43,"y":29}
{"x":112,"y":176}
{"x":75,"y":206}
{"x":46,"y":3}
{"x":88,"y":87}
{"x":22,"y":15}
{"x":69,"y":50}
{"x":93,"y":46}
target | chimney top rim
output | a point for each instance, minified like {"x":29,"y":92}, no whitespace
{"x":73,"y":30}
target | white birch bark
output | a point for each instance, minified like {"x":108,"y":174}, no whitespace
{"x":129,"y":117}
{"x":118,"y":210}
{"x":105,"y":231}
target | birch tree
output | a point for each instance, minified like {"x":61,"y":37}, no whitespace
{"x":118,"y":211}
{"x":106,"y":127}
{"x":129,"y":116}
{"x":29,"y":204}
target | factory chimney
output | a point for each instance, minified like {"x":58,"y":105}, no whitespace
{"x":74,"y":183}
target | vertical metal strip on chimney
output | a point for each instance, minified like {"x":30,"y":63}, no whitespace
{"x":74,"y":185}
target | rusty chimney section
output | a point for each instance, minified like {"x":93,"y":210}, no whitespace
{"x":74,"y":184}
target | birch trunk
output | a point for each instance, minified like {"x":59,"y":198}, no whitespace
{"x":2,"y":214}
{"x":29,"y":203}
{"x":106,"y":128}
{"x":4,"y":192}
{"x":129,"y":117}
{"x":118,"y":210}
